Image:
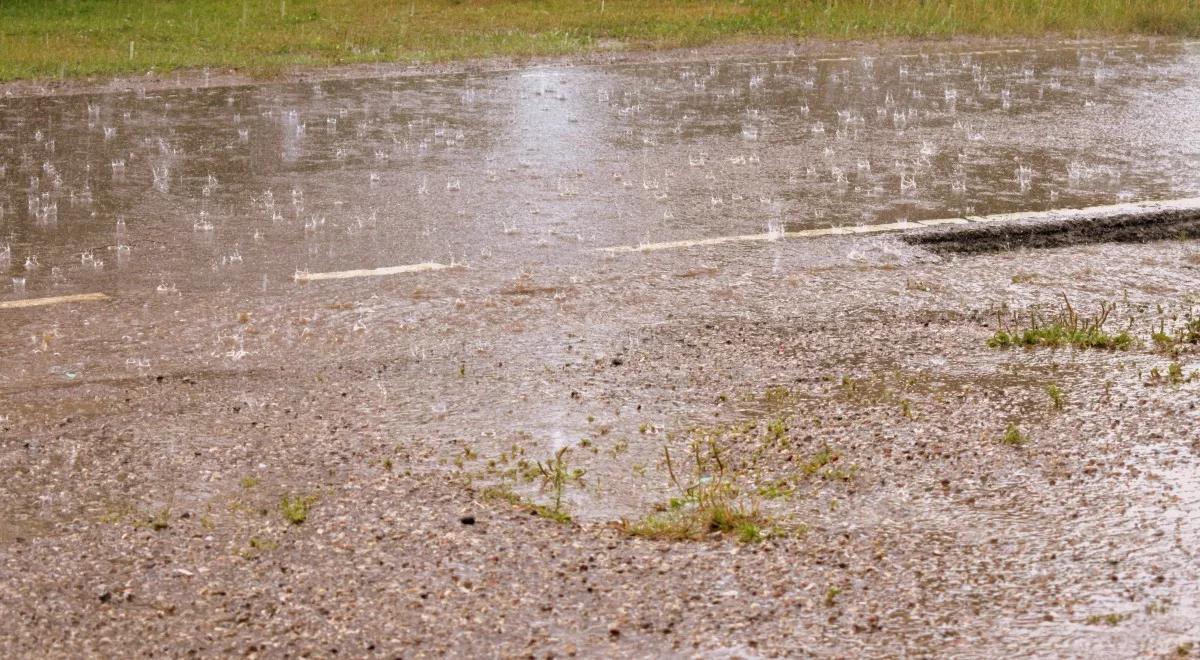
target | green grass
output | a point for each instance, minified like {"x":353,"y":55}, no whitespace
{"x":67,"y":38}
{"x":161,"y":520}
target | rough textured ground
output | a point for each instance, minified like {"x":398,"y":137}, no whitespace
{"x":143,"y":513}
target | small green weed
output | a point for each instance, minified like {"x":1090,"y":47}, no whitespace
{"x":1106,"y":619}
{"x":556,"y":473}
{"x":778,"y":394}
{"x":295,"y":508}
{"x":1058,"y":400}
{"x":748,"y":532}
{"x":161,"y":520}
{"x":1174,"y":375}
{"x":1013,"y":436}
{"x":821,"y":464}
{"x":777,"y":430}
{"x":504,"y":493}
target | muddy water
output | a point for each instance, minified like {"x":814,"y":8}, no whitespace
{"x":237,"y":189}
{"x":198,"y":201}
{"x":195,"y":209}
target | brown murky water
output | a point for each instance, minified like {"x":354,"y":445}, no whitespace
{"x":195,"y":209}
{"x":237,"y":189}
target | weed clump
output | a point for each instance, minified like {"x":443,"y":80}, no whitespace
{"x":709,"y":505}
{"x":1106,"y":619}
{"x":557,"y":474}
{"x":1063,"y":328}
{"x":161,"y":520}
{"x":1058,"y":400}
{"x":1013,"y":436}
{"x":1171,"y":342}
{"x":295,"y":508}
{"x":777,"y":430}
{"x":822,"y":464}
{"x":1174,"y":375}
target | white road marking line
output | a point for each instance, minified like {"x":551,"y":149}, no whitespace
{"x":53,"y":300}
{"x":1097,"y":212}
{"x":670,"y":245}
{"x":370,"y":272}
{"x":943,"y":221}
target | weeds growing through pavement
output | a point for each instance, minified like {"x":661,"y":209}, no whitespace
{"x":1058,"y":399}
{"x":503,"y":493}
{"x":822,"y":464}
{"x":1174,"y":375}
{"x":1106,"y":619}
{"x":777,"y":430}
{"x":1014,"y":436}
{"x":295,"y":508}
{"x":556,"y":474}
{"x":161,"y":520}
{"x":1065,"y":327}
{"x":709,"y":503}
{"x":1170,"y":342}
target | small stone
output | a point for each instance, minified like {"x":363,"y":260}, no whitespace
{"x":467,"y":520}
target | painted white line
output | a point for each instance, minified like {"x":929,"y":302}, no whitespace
{"x":874,"y":229}
{"x":1095,"y":212}
{"x":815,"y":233}
{"x":369,"y":272}
{"x":942,"y":221}
{"x":53,"y":300}
{"x":671,"y":245}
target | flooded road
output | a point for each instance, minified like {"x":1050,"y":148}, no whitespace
{"x":392,"y":296}
{"x":238,"y":189}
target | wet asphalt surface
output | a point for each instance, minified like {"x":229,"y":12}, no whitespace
{"x":146,"y":440}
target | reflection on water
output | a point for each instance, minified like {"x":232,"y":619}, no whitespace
{"x":234,"y":188}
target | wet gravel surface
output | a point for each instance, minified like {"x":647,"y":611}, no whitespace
{"x":148,"y":441}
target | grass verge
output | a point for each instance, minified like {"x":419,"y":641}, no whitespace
{"x":70,"y":39}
